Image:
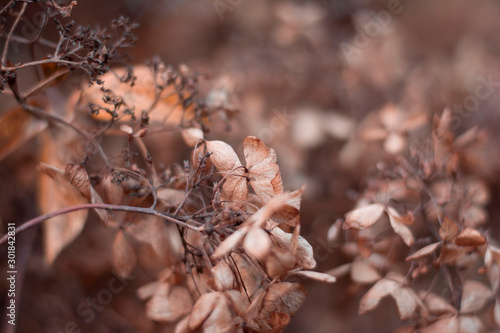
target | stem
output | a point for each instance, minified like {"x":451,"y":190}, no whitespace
{"x":148,"y":211}
{"x":9,"y":36}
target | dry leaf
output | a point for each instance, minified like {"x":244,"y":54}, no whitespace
{"x":53,"y":195}
{"x":192,"y":136}
{"x":474,"y":296}
{"x":372,"y":298}
{"x":169,"y":303}
{"x":363,"y":272}
{"x":17,"y":127}
{"x":124,"y":257}
{"x":448,"y":229}
{"x":228,"y":244}
{"x":223,"y":277}
{"x":262,"y":170}
{"x":424,"y":252}
{"x":399,"y":228}
{"x":257,"y":243}
{"x":406,"y":301}
{"x":304,"y":255}
{"x":167,"y":109}
{"x":446,"y":324}
{"x":363,"y":217}
{"x":471,"y":324}
{"x":470,"y":237}
{"x":323,"y":277}
{"x":435,"y":304}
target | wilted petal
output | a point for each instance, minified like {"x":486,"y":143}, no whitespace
{"x":363,"y":217}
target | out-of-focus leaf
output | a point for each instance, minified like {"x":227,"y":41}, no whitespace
{"x":364,"y":273}
{"x":474,"y":296}
{"x":16,"y":128}
{"x":124,"y":257}
{"x":54,"y":195}
{"x":399,"y":228}
{"x":373,"y":297}
{"x":424,"y":252}
{"x":470,"y":237}
{"x":448,"y":229}
{"x":363,"y":217}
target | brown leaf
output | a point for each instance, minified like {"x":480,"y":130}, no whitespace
{"x":448,"y":229}
{"x":323,"y":277}
{"x":399,"y":228}
{"x":53,"y":195}
{"x":223,"y":277}
{"x":169,"y":303}
{"x":446,"y":324}
{"x":192,"y":136}
{"x":304,"y":255}
{"x":340,"y":271}
{"x":363,"y":272}
{"x":262,"y":170}
{"x":363,"y":217}
{"x":284,"y":297}
{"x":212,"y":314}
{"x":474,"y":296}
{"x":470,"y":237}
{"x":165,"y":109}
{"x":16,"y":128}
{"x":424,"y":252}
{"x":373,"y":297}
{"x":228,"y":244}
{"x":471,"y":324}
{"x":257,"y":243}
{"x":223,"y":156}
{"x":406,"y":301}
{"x":203,"y":308}
{"x":335,"y":231}
{"x":435,"y":304}
{"x":124,"y":258}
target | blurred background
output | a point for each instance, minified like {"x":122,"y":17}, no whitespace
{"x":302,"y":74}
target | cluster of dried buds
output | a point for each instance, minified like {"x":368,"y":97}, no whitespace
{"x":427,"y":211}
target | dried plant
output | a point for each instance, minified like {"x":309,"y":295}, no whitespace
{"x":227,"y":235}
{"x":418,"y":234}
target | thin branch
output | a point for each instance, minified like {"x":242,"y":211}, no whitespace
{"x":9,"y":35}
{"x":148,"y":211}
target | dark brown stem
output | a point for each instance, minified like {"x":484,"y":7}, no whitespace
{"x":67,"y":210}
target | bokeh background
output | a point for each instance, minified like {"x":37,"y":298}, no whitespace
{"x":301,"y":73}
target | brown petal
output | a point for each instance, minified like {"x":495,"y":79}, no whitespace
{"x":223,"y":277}
{"x":322,"y":277}
{"x":223,"y":156}
{"x":192,"y":136}
{"x":364,"y":273}
{"x":474,"y":296}
{"x":448,"y":229}
{"x":399,"y":228}
{"x":169,"y":303}
{"x":363,"y":217}
{"x":257,"y":243}
{"x":124,"y":257}
{"x":373,"y":297}
{"x":203,"y":308}
{"x":263,"y":172}
{"x":435,"y":304}
{"x":424,"y":252}
{"x":228,"y":244}
{"x":470,"y":237}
